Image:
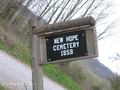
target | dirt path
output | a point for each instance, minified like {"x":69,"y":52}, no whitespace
{"x":17,"y":75}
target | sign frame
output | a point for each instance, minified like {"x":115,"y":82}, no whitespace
{"x":91,"y":45}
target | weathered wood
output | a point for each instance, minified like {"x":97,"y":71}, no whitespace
{"x":43,"y":50}
{"x":37,"y":74}
{"x":38,"y":44}
{"x":66,"y":60}
{"x":91,"y":47}
{"x":62,"y":31}
{"x":64,"y":25}
{"x":95,"y":41}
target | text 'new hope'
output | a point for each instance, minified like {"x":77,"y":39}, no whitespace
{"x":66,"y":48}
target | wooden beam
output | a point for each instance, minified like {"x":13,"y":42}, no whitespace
{"x":64,"y":25}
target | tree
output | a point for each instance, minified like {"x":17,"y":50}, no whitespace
{"x":54,"y":11}
{"x":62,"y":10}
{"x":115,"y":82}
{"x":18,"y":12}
{"x":116,"y":57}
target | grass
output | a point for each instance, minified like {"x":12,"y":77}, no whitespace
{"x":2,"y":88}
{"x":21,"y":51}
{"x":91,"y":80}
{"x":53,"y":72}
{"x":92,"y":77}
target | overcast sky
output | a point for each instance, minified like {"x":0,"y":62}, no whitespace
{"x":111,"y":45}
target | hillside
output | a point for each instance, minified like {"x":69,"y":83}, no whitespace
{"x":19,"y":74}
{"x":20,"y":50}
{"x":98,"y":68}
{"x":96,"y":74}
{"x":81,"y":72}
{"x":76,"y":75}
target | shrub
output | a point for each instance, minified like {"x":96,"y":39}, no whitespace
{"x":115,"y":82}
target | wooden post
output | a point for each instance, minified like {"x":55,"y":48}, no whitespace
{"x":37,"y":72}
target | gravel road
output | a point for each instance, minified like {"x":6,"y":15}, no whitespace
{"x":16,"y":75}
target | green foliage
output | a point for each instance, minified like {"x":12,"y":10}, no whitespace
{"x":21,"y":51}
{"x":2,"y":88}
{"x":115,"y":58}
{"x":9,"y":12}
{"x":54,"y":73}
{"x":78,"y":76}
{"x":75,"y":73}
{"x":95,"y":88}
{"x":115,"y":82}
{"x":50,"y":71}
{"x":67,"y":75}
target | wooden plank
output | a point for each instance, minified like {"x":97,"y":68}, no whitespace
{"x":43,"y":50}
{"x":95,"y":41}
{"x":90,"y":41}
{"x":65,"y":25}
{"x":66,"y":60}
{"x":37,"y":74}
{"x":63,"y":31}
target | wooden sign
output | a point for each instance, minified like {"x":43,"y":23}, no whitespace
{"x":76,"y":44}
{"x":60,"y":42}
{"x":67,"y":41}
